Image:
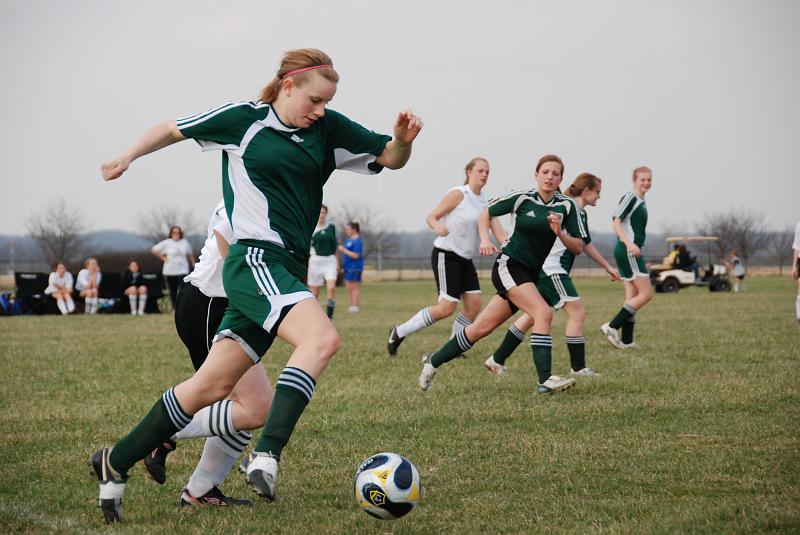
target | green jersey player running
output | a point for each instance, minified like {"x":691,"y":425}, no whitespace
{"x":541,"y":217}
{"x":323,"y":268}
{"x":277,"y":153}
{"x":557,"y":288}
{"x":630,"y":222}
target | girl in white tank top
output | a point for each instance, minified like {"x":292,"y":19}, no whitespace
{"x":455,"y":221}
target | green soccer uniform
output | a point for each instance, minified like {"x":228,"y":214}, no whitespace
{"x":632,"y":213}
{"x":323,"y":241}
{"x":272,"y":179}
{"x":272,"y":174}
{"x":554,"y":282}
{"x":532,"y":239}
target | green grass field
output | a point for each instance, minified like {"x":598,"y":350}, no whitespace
{"x":697,"y":431}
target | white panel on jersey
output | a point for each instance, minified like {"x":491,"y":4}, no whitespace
{"x":358,"y":163}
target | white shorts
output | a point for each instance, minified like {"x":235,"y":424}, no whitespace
{"x":321,"y":269}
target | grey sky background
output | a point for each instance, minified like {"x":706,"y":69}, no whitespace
{"x":707,"y":93}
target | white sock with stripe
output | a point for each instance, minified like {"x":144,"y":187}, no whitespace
{"x":459,"y":324}
{"x":216,"y":461}
{"x":216,"y":420}
{"x":418,"y":321}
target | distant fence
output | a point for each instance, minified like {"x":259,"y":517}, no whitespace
{"x":397,"y":268}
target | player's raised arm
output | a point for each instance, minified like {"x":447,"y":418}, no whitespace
{"x":398,"y":150}
{"x":157,"y":137}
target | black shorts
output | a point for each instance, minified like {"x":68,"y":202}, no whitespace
{"x":454,"y":275}
{"x":508,"y":273}
{"x":197,"y":317}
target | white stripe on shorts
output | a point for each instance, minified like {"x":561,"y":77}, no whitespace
{"x":505,"y":276}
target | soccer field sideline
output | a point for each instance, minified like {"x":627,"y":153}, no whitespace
{"x":694,"y":432}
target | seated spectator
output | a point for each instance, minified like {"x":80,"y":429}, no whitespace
{"x":59,"y":287}
{"x":88,"y":285}
{"x":687,"y":262}
{"x":672,"y":257}
{"x":135,"y":288}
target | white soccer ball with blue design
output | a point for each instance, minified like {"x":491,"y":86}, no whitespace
{"x":387,"y":486}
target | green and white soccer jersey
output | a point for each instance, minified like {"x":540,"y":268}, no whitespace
{"x":560,"y":260}
{"x":273,"y":174}
{"x":323,"y":241}
{"x":554,"y":282}
{"x":532,"y":239}
{"x":632,"y":213}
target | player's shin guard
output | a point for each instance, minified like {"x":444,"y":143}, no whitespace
{"x":331,"y":304}
{"x":164,"y":420}
{"x":453,"y":348}
{"x":627,"y":330}
{"x":511,"y":341}
{"x":576,"y":345}
{"x":626,"y":312}
{"x":292,"y":393}
{"x":459,"y":324}
{"x":542,"y":349}
{"x":418,"y":321}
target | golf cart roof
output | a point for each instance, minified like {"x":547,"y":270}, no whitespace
{"x":691,"y":239}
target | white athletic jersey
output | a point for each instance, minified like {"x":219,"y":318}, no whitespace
{"x":462,"y":224}
{"x":65,"y":282}
{"x":177,"y":252}
{"x":796,"y":245}
{"x":207,"y":273}
{"x":83,"y":279}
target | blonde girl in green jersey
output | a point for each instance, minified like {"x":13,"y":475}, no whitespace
{"x":277,"y":153}
{"x":542,"y":216}
{"x":630,"y":223}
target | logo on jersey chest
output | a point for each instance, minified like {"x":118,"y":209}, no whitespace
{"x":296,"y":138}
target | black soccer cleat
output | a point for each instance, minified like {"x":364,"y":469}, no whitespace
{"x":213,"y":498}
{"x":394,"y":341}
{"x":155,"y":464}
{"x":112,"y":486}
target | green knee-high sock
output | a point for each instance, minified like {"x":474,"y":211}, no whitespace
{"x":576,"y":345}
{"x":511,"y":341}
{"x":542,"y":349}
{"x":164,"y":420}
{"x":622,"y":316}
{"x":454,"y":347}
{"x":292,"y":394}
{"x":330,"y":306}
{"x":627,"y":330}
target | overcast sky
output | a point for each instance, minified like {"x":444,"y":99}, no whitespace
{"x":706,"y":92}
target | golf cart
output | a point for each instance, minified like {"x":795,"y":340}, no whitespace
{"x":668,"y":278}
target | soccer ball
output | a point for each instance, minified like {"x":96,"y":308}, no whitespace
{"x":387,"y":486}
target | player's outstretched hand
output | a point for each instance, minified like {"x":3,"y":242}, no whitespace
{"x":407,"y":127}
{"x":114,"y":168}
{"x":614,"y":274}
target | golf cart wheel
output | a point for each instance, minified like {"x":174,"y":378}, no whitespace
{"x":723,"y":285}
{"x":670,"y":285}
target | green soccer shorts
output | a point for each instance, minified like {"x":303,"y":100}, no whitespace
{"x":557,"y":289}
{"x":261,"y":291}
{"x":630,"y":267}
